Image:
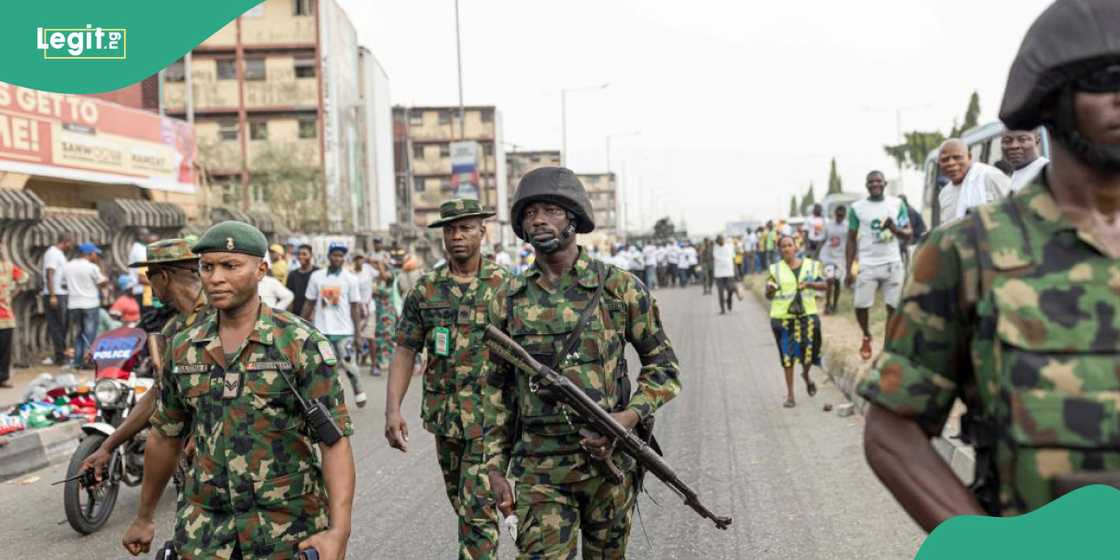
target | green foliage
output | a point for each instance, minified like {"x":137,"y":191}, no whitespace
{"x":663,"y":229}
{"x":917,"y":144}
{"x":835,"y":185}
{"x":793,"y":206}
{"x":808,"y":201}
{"x":290,"y":184}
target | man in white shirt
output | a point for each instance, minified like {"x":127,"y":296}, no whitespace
{"x":971,"y":183}
{"x":334,"y":307}
{"x":502,"y":258}
{"x":139,"y":253}
{"x":875,"y":224}
{"x":1020,"y":149}
{"x":274,"y":294}
{"x":672,"y":257}
{"x":55,"y":296}
{"x":750,"y":245}
{"x":649,"y":260}
{"x":84,"y":281}
{"x":834,"y":257}
{"x":723,"y":269}
{"x":688,"y":260}
{"x":815,"y":225}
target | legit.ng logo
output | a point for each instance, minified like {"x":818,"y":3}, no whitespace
{"x":88,"y":43}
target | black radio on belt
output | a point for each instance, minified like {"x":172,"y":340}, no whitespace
{"x":320,"y":425}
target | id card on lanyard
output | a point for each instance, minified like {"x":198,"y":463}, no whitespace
{"x":442,"y":341}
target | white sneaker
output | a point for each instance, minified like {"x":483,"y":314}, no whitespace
{"x":360,"y":399}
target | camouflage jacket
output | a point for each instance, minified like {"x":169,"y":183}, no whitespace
{"x":452,"y":405}
{"x":180,"y":321}
{"x":540,"y":317}
{"x":256,"y":479}
{"x":1017,"y":313}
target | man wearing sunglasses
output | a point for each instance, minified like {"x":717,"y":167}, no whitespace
{"x":1014,"y":309}
{"x":172,"y":271}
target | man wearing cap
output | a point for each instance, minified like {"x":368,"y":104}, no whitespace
{"x":278,"y":263}
{"x":172,"y":271}
{"x":562,"y":480}
{"x":237,"y":383}
{"x":447,"y":313}
{"x":1013,"y":309}
{"x":84,"y":280}
{"x":334,"y":306}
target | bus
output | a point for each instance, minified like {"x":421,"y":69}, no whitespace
{"x":984,"y":144}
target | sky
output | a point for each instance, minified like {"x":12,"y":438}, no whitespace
{"x":737,"y":105}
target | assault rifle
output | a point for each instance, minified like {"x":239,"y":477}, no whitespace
{"x":597,"y":419}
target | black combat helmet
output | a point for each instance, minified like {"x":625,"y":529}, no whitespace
{"x":556,"y":185}
{"x":1069,"y":38}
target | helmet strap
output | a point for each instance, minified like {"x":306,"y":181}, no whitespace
{"x":1105,"y":157}
{"x":554,"y":244}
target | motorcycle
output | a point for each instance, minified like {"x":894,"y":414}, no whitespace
{"x":122,"y":376}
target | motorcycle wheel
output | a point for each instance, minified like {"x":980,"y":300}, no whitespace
{"x":88,"y":508}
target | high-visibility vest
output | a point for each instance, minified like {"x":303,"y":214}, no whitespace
{"x":782,"y":275}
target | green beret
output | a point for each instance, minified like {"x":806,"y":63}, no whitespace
{"x":232,"y":237}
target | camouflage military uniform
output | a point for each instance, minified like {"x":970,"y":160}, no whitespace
{"x":560,"y":491}
{"x":1018,"y":314}
{"x":386,"y":322}
{"x":452,"y":406}
{"x":256,"y":484}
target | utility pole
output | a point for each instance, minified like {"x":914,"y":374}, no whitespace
{"x":459,"y":55}
{"x":564,"y":117}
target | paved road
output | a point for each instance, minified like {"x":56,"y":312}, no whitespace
{"x":794,"y":480}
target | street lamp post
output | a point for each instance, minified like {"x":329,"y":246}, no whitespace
{"x":618,"y":192}
{"x":564,"y":117}
{"x":898,"y":131}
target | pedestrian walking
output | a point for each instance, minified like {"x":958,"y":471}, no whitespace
{"x":10,"y":275}
{"x":875,"y":224}
{"x":770,"y":244}
{"x":447,"y":314}
{"x":707,"y":264}
{"x":790,"y":286}
{"x":278,"y":263}
{"x":723,"y":268}
{"x":687,"y":263}
{"x":85,"y":281}
{"x":386,"y":293}
{"x":55,"y":297}
{"x":750,"y":248}
{"x":1013,"y":309}
{"x":673,"y":255}
{"x":649,"y":260}
{"x":299,"y":277}
{"x":274,"y":294}
{"x":815,"y":234}
{"x":333,"y":306}
{"x":257,"y":487}
{"x":834,"y":257}
{"x":564,"y":492}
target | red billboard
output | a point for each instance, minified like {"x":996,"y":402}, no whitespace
{"x":86,"y":139}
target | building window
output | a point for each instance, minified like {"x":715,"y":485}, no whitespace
{"x":417,"y":151}
{"x":227,"y":69}
{"x":444,"y":117}
{"x":258,"y":130}
{"x":418,"y":184}
{"x":175,"y":72}
{"x":305,"y":67}
{"x":308,"y":128}
{"x":415,"y":118}
{"x":487,"y":149}
{"x":302,"y":7}
{"x":445,"y":150}
{"x":445,"y":184}
{"x":227,"y":130}
{"x":254,"y":69}
{"x":487,"y":116}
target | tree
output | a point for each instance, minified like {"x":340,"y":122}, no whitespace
{"x":917,"y":144}
{"x":835,"y":185}
{"x":808,"y":201}
{"x":663,"y":228}
{"x":290,"y":185}
{"x":793,"y":206}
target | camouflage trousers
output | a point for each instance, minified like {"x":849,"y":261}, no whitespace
{"x":468,"y":489}
{"x":384,"y":332}
{"x":553,"y":515}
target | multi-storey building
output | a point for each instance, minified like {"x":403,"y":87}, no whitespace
{"x":423,"y":138}
{"x":286,"y":115}
{"x":601,"y":188}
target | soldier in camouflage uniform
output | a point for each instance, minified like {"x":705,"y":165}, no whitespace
{"x":1014,"y":309}
{"x":447,"y":313}
{"x":173,"y":274}
{"x":563,"y":486}
{"x":382,"y":352}
{"x":257,"y":489}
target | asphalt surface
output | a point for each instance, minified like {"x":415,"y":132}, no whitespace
{"x":794,"y":480}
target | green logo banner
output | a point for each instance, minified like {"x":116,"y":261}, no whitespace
{"x":1077,"y":525}
{"x":80,"y":46}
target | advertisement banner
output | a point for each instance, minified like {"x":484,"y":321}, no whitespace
{"x":87,"y":139}
{"x":464,"y":169}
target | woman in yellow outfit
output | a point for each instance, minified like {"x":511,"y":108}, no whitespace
{"x":790,"y":288}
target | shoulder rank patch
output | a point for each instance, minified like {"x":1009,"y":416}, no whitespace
{"x":327,"y":352}
{"x":190,"y":368}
